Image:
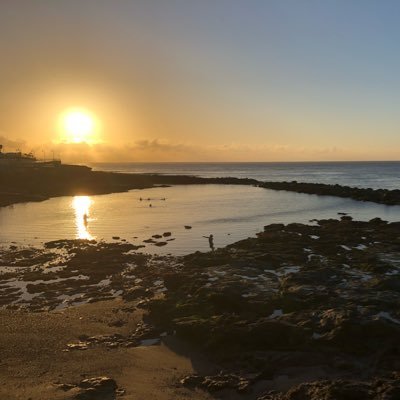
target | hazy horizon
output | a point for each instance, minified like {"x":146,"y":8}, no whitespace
{"x":189,"y":81}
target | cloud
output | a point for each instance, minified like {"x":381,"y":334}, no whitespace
{"x":160,"y":145}
{"x":162,"y":150}
{"x":9,"y":144}
{"x":140,"y":151}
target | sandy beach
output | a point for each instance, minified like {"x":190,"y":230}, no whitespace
{"x":35,"y":365}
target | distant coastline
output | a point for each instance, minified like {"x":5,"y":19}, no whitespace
{"x":376,"y":175}
{"x":19,"y":185}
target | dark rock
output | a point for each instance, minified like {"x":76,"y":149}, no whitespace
{"x":385,"y":389}
{"x":273,"y":227}
{"x":65,"y":386}
{"x":346,"y":218}
{"x":134,"y":293}
{"x":173,"y":281}
{"x":216,"y":383}
{"x":117,"y":323}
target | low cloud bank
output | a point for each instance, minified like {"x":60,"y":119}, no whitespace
{"x":161,"y":150}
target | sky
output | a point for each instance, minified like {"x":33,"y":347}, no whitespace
{"x":209,"y":80}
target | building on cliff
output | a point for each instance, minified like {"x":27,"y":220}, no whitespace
{"x":26,"y":160}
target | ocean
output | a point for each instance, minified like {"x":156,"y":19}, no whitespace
{"x":374,"y":174}
{"x":228,"y":212}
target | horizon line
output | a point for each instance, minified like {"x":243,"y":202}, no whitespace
{"x":244,"y":162}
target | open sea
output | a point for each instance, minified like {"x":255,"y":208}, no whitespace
{"x":229,"y":212}
{"x":373,"y":174}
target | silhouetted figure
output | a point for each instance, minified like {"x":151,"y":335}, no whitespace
{"x":210,"y":241}
{"x":150,"y":205}
{"x":85,"y":220}
{"x":140,"y":199}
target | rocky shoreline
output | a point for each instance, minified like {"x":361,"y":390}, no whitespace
{"x":317,"y":301}
{"x":380,"y":196}
{"x":298,"y":312}
{"x":37,"y":184}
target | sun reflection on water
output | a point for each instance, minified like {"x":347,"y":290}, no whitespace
{"x":81,"y":206}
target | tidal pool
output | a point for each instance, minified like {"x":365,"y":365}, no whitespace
{"x":228,"y":212}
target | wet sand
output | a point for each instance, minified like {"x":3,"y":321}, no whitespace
{"x":34,"y":363}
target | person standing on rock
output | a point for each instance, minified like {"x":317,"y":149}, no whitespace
{"x":210,"y":241}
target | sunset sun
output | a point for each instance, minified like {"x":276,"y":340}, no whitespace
{"x":78,"y":126}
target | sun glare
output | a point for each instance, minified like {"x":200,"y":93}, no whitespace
{"x":81,"y":206}
{"x":78,"y":126}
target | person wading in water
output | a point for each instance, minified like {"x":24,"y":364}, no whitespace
{"x":210,"y":241}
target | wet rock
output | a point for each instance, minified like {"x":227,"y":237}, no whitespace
{"x":275,"y":334}
{"x":145,"y":331}
{"x":134,"y":293}
{"x":78,"y":346}
{"x":188,"y":227}
{"x":65,"y":386}
{"x":384,"y":388}
{"x":273,"y":227}
{"x":166,"y":234}
{"x":109,"y":341}
{"x":117,"y":323}
{"x":362,"y":337}
{"x":103,"y":388}
{"x":173,"y":281}
{"x":333,"y":300}
{"x":346,"y":218}
{"x":215,"y":383}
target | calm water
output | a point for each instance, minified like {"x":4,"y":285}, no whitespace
{"x":230,"y":213}
{"x":359,"y":174}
